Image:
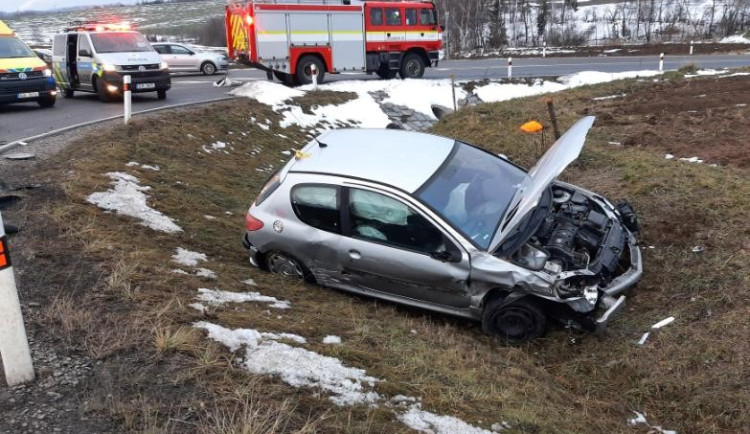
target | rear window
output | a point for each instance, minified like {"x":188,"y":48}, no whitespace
{"x":120,"y":42}
{"x":318,"y":206}
{"x":12,"y":48}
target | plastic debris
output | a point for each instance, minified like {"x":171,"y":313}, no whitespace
{"x":698,"y":249}
{"x":662,"y":323}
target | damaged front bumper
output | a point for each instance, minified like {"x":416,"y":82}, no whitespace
{"x":622,"y":282}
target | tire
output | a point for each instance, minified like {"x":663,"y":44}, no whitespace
{"x":208,"y":68}
{"x":412,"y":66}
{"x":303,"y":73}
{"x":49,"y":101}
{"x":287,"y":266}
{"x":385,"y":73}
{"x":101,"y":90}
{"x":161,"y":94}
{"x":514,"y":323}
{"x":68,"y":93}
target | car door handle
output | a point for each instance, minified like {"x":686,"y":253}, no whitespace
{"x":421,"y":34}
{"x":354,"y":254}
{"x":388,"y":34}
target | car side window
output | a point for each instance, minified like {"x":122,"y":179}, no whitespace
{"x":376,"y":16}
{"x":411,"y":17}
{"x":162,"y":49}
{"x":58,"y":46}
{"x":393,"y":17}
{"x":317,"y":206}
{"x":379,"y":218}
{"x":84,"y":48}
{"x":176,"y":49}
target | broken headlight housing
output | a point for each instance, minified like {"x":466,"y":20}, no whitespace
{"x":530,"y":257}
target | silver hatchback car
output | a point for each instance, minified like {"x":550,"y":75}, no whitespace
{"x":435,"y":223}
{"x":182,"y":58}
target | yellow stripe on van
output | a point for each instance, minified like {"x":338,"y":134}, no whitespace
{"x":5,"y":30}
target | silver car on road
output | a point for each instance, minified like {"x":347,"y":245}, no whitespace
{"x":435,"y":223}
{"x":183,"y":58}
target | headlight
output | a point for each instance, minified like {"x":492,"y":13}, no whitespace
{"x":109,"y":67}
{"x":530,"y":257}
{"x":47,"y":72}
{"x":164,"y":65}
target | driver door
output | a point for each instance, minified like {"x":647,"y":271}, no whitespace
{"x":393,"y":249}
{"x":182,"y":58}
{"x":85,"y":62}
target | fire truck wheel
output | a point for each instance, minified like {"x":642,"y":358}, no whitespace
{"x":208,"y":68}
{"x":412,"y":66}
{"x":304,"y":69}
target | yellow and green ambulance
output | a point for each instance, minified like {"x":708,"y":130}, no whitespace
{"x":24,"y":77}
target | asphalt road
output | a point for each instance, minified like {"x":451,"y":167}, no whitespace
{"x":20,"y":121}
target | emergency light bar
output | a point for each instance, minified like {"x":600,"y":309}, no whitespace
{"x":98,"y":26}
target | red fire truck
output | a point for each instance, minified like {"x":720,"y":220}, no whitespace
{"x":286,"y":39}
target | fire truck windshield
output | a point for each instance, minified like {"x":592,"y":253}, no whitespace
{"x":11,"y":47}
{"x":120,"y":42}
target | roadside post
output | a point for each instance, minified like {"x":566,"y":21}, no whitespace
{"x":691,"y":48}
{"x":510,"y":68}
{"x":314,"y":73}
{"x":544,"y":49}
{"x":661,"y":62}
{"x":126,"y":97}
{"x":14,"y":346}
{"x":453,"y":89}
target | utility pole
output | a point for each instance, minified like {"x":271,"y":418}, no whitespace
{"x":446,"y":35}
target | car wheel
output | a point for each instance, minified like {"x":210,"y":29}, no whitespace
{"x":101,"y":90}
{"x":68,"y":93}
{"x":514,"y":323}
{"x":412,"y":66}
{"x":287,"y":266}
{"x":48,"y":101}
{"x":304,"y":69}
{"x":161,"y":94}
{"x":208,"y":68}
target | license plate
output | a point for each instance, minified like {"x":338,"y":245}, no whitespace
{"x":145,"y":85}
{"x":28,"y":95}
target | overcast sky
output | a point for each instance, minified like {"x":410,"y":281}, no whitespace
{"x":24,"y":5}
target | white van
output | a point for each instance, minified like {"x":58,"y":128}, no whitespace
{"x":94,"y":57}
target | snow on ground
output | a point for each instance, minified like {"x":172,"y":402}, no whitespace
{"x":331,"y":339}
{"x":640,"y":419}
{"x":735,"y":39}
{"x":188,"y":258}
{"x":425,"y":421}
{"x":127,"y":198}
{"x":217,"y":297}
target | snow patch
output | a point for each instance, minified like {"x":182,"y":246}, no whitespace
{"x":250,"y":282}
{"x":735,"y":39}
{"x":127,"y":198}
{"x":331,"y":339}
{"x":218,"y":297}
{"x":640,"y":419}
{"x":425,"y":421}
{"x":188,"y":258}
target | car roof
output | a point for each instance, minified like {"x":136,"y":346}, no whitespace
{"x":402,"y":159}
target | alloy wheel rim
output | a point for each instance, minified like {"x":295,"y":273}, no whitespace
{"x":285,"y":266}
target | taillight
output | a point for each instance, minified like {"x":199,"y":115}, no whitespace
{"x":252,"y":224}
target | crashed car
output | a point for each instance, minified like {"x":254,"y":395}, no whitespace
{"x":435,"y":223}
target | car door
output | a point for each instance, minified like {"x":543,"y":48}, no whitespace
{"x":85,"y":61}
{"x":183,"y":58}
{"x":60,"y":60}
{"x":394,"y":249}
{"x":394,"y":25}
{"x":165,"y":53}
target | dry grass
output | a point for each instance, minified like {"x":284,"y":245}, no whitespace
{"x":549,"y":386}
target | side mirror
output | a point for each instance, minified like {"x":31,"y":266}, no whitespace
{"x":442,"y":27}
{"x":442,"y":256}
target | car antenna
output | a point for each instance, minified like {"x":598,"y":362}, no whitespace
{"x":321,"y":144}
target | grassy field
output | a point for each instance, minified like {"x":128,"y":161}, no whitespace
{"x":113,"y":297}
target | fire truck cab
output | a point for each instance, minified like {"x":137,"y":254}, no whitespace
{"x":291,"y":39}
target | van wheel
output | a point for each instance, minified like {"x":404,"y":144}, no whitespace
{"x":48,"y":101}
{"x":304,"y":69}
{"x":287,"y":266}
{"x":514,"y":323}
{"x":68,"y":93}
{"x":412,"y":66}
{"x":101,"y":90}
{"x":161,"y":94}
{"x":208,"y":68}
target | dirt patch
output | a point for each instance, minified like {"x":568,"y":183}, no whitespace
{"x":311,"y":100}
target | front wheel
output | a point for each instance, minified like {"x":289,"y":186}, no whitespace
{"x":208,"y":68}
{"x":161,"y":94}
{"x":287,"y":266}
{"x":48,"y":101}
{"x":412,"y":66}
{"x":514,"y":323}
{"x":101,"y":90}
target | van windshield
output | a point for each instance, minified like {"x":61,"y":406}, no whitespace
{"x":13,"y":48}
{"x":120,"y":42}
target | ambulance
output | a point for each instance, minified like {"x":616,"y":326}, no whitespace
{"x":24,"y":77}
{"x":94,"y":57}
{"x":291,"y":39}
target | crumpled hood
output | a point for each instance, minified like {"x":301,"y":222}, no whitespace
{"x":563,"y":152}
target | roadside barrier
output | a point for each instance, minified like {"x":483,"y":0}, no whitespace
{"x":14,"y":346}
{"x":661,"y":62}
{"x":126,"y":98}
{"x":691,"y":48}
{"x":510,"y":68}
{"x":314,"y":72}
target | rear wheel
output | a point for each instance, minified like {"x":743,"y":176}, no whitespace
{"x":287,"y":266}
{"x":304,"y":69}
{"x":161,"y":94}
{"x":208,"y":68}
{"x":47,"y":101}
{"x":412,"y":66}
{"x":514,"y":323}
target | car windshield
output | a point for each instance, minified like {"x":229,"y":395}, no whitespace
{"x":120,"y":42}
{"x":11,"y":48}
{"x":473,"y":191}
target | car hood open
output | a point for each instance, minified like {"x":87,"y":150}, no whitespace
{"x":563,"y":152}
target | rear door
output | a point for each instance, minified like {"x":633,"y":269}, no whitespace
{"x":391,"y":248}
{"x":85,"y":61}
{"x":59,"y":61}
